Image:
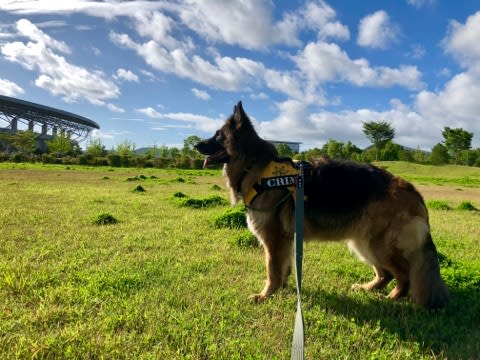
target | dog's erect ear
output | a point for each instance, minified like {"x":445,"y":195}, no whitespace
{"x":238,"y":114}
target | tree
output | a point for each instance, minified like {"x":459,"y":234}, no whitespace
{"x":6,"y":141}
{"x":25,"y":141}
{"x":439,"y":155}
{"x":379,"y":133}
{"x":63,"y":145}
{"x":333,"y":149}
{"x":284,"y":150}
{"x":456,"y":141}
{"x":188,"y":149}
{"x":126,"y":148}
{"x":391,"y":152}
{"x":313,"y":153}
{"x":96,"y":148}
{"x":351,"y":151}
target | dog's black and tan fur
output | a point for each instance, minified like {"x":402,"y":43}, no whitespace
{"x":382,"y":217}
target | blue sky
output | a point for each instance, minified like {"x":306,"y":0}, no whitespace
{"x":155,"y":72}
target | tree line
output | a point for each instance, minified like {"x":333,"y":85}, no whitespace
{"x":23,"y":146}
{"x":456,"y":148}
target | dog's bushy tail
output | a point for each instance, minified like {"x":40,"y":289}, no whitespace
{"x":426,"y":285}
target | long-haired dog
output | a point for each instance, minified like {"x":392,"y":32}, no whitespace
{"x":382,"y":217}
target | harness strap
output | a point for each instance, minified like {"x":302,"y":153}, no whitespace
{"x":271,"y":207}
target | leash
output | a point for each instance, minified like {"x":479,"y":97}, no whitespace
{"x":298,"y":336}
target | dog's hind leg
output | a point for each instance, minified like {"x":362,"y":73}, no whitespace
{"x":382,"y":278}
{"x":278,"y":256}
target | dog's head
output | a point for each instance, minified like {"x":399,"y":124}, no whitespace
{"x":226,"y":143}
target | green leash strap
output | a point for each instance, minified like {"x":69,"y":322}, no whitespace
{"x":298,"y":336}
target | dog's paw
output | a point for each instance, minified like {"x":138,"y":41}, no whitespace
{"x":258,"y":298}
{"x":357,"y":287}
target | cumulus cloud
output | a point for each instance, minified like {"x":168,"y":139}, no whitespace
{"x":56,"y":74}
{"x":9,"y":88}
{"x":317,"y":16}
{"x":455,"y":105}
{"x":126,"y":75}
{"x":462,"y":42}
{"x":201,"y":94}
{"x":323,"y":62}
{"x":377,"y":31}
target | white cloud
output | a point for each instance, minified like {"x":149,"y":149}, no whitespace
{"x":315,"y":15}
{"x":225,"y":73}
{"x":320,"y":16}
{"x":377,"y":31}
{"x":249,"y":23}
{"x":420,"y":3}
{"x":115,"y":108}
{"x":32,"y":32}
{"x":199,"y":122}
{"x":9,"y":88}
{"x":126,"y":75}
{"x":462,"y":42}
{"x":56,"y":74}
{"x":108,"y":10}
{"x":322,"y":62}
{"x":245,"y":23}
{"x":259,"y":96}
{"x":201,"y":94}
{"x":456,"y":104}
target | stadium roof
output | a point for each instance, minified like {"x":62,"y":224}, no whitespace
{"x":13,"y":110}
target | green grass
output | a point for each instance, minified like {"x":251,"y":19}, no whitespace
{"x":437,"y":175}
{"x":165,"y":283}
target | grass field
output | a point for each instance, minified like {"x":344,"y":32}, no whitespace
{"x":164,"y":283}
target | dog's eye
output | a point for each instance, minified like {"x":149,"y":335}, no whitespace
{"x":219,"y":136}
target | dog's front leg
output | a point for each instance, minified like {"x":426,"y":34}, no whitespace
{"x":278,"y":256}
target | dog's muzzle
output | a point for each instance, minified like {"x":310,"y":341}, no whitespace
{"x":215,"y":152}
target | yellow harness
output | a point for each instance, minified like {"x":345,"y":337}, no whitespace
{"x":276,"y":174}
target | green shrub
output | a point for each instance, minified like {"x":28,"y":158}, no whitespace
{"x":139,"y":189}
{"x":104,"y":219}
{"x":198,"y":203}
{"x":466,"y":205}
{"x":209,"y":201}
{"x":233,"y":218}
{"x":438,"y":205}
{"x":114,"y":160}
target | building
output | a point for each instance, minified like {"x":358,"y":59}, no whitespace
{"x":294,"y":146}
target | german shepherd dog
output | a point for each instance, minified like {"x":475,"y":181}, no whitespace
{"x":382,"y":217}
